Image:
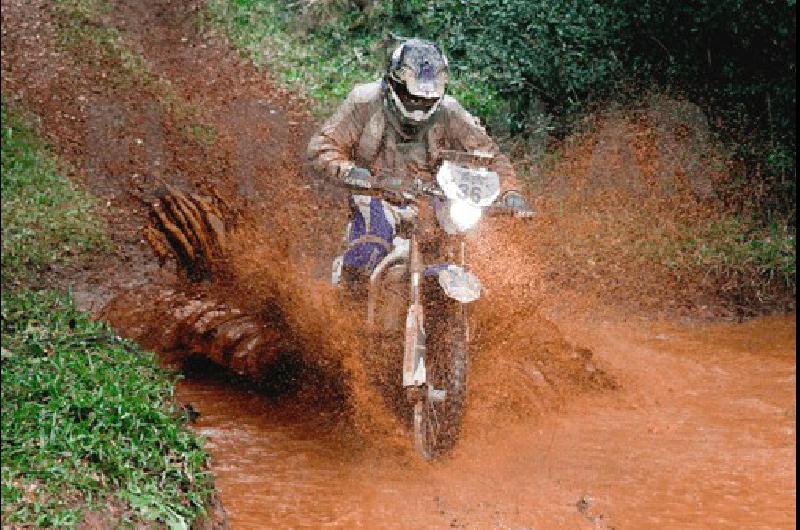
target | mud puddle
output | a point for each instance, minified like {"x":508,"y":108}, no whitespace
{"x":702,"y":436}
{"x":280,"y":467}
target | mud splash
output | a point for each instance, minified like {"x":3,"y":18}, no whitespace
{"x":270,"y":273}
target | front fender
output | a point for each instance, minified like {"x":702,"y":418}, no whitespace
{"x":457,"y":283}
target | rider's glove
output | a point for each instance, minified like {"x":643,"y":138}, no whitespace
{"x":515,"y":201}
{"x":359,"y":177}
{"x":391,"y":184}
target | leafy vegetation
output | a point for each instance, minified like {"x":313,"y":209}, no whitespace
{"x":324,"y":62}
{"x":316,"y":65}
{"x":732,"y":249}
{"x":88,"y":419}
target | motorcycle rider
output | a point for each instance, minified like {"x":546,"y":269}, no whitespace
{"x":389,"y":131}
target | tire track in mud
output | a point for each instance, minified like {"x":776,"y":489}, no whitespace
{"x":199,"y":118}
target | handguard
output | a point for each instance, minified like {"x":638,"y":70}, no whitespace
{"x":358,"y":177}
{"x":515,"y":201}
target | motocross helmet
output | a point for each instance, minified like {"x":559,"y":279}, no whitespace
{"x":415,"y":81}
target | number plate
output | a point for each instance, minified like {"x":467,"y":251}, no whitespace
{"x":477,"y":186}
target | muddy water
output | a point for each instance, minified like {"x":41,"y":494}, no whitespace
{"x":701,"y":435}
{"x":286,"y":469}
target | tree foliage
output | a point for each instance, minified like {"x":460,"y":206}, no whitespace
{"x":733,"y":54}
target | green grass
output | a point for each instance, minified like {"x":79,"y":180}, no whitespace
{"x":731,"y":246}
{"x":312,"y":65}
{"x":88,"y":419}
{"x":742,"y":256}
{"x":46,"y":218}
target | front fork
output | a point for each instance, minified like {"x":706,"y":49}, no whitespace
{"x":414,"y":369}
{"x":414,"y":374}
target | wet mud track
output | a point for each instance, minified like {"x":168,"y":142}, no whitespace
{"x":657,"y":426}
{"x":703,"y":436}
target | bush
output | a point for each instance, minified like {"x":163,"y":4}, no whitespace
{"x":561,"y":52}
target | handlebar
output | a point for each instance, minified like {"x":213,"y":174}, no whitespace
{"x":499,"y":210}
{"x":420,"y":187}
{"x":429,"y":188}
{"x":408,"y":194}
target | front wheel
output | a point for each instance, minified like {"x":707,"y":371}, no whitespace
{"x":438,"y":409}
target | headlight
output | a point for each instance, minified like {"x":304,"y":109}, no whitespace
{"x":464,"y":214}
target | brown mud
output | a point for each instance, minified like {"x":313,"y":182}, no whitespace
{"x":703,"y":436}
{"x":658,"y":425}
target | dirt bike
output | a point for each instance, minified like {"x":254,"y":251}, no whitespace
{"x":418,"y":297}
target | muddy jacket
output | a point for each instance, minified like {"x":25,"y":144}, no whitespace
{"x":362,"y":133}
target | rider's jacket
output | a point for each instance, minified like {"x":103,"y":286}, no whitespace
{"x":363,"y":133}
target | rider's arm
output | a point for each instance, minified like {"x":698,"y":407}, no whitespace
{"x":467,"y":134}
{"x":331,"y":150}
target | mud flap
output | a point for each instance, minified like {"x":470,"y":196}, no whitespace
{"x":414,"y":356}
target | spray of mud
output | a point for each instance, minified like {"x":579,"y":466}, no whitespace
{"x":261,"y":300}
{"x":522,"y":365}
{"x":327,"y":331}
{"x":638,"y":210}
{"x":253,"y":308}
{"x":251,"y":293}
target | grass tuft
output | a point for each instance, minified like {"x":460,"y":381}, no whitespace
{"x":46,"y":218}
{"x":88,"y":422}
